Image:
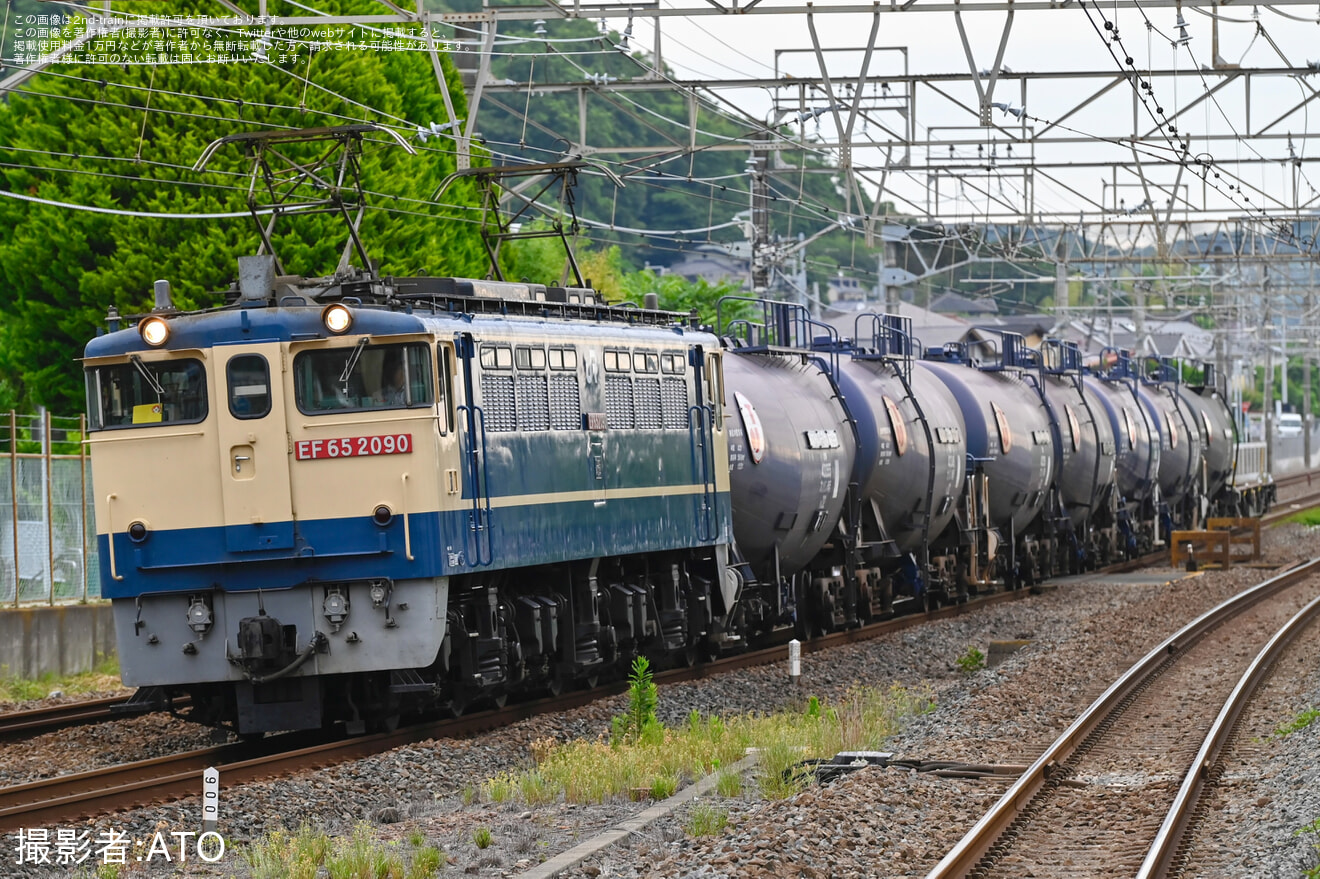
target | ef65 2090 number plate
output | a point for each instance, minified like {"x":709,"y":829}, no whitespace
{"x":354,"y":446}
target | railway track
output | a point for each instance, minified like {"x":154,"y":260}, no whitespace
{"x":68,"y":798}
{"x":169,"y":778}
{"x":1105,"y":795}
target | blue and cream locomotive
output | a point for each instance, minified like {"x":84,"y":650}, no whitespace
{"x":345,"y":499}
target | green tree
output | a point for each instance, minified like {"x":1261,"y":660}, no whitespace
{"x":125,"y":139}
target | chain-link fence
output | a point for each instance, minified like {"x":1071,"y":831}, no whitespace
{"x":47,"y":512}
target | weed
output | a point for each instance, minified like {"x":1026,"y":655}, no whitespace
{"x":416,"y":838}
{"x":481,"y":838}
{"x":664,"y":786}
{"x":426,"y":862}
{"x":639,"y":720}
{"x":729,"y":783}
{"x":972,"y":660}
{"x":310,"y":853}
{"x":499,"y":789}
{"x":706,"y":820}
{"x":469,"y":794}
{"x":1300,"y":722}
{"x":535,"y":789}
{"x":594,"y":772}
{"x":1309,"y":518}
{"x":104,"y":677}
{"x":1313,"y":829}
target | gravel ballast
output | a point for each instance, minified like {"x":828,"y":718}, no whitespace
{"x":885,"y":822}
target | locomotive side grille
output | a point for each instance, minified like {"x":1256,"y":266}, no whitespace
{"x":619,"y":402}
{"x":565,"y":405}
{"x":649,"y":414}
{"x":497,"y":401}
{"x":675,"y":404}
{"x":533,"y":403}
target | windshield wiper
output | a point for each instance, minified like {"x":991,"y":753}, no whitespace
{"x":352,"y":361}
{"x":147,"y":374}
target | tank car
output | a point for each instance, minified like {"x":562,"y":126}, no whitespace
{"x":1180,"y":471}
{"x":1085,"y":460}
{"x":1137,"y":452}
{"x":910,"y":470}
{"x":348,"y":498}
{"x":792,"y":449}
{"x":1010,"y":450}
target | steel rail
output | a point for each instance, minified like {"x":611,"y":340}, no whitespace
{"x":38,"y":720}
{"x":1203,"y":770}
{"x":978,"y":841}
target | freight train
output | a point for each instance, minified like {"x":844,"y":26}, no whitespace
{"x":350,"y":499}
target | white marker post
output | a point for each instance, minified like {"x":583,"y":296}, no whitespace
{"x":794,"y":661}
{"x":210,"y":799}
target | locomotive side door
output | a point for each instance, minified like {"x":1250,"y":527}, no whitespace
{"x":248,"y":400}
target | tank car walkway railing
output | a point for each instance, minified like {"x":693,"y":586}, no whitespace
{"x":47,"y":513}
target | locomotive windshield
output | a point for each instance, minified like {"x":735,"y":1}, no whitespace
{"x":142,"y":394}
{"x":364,"y":377}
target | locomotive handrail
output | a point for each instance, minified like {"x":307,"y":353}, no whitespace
{"x":479,"y":473}
{"x":698,"y":435}
{"x":110,"y":527}
{"x":407,"y":531}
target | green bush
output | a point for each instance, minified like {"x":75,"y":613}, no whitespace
{"x":972,"y":661}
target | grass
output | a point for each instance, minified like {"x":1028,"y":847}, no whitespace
{"x":482,"y":838}
{"x":103,"y":678}
{"x":1312,"y":830}
{"x":310,"y":853}
{"x":663,"y":759}
{"x":706,"y":820}
{"x":1310,"y":518}
{"x":1303,"y":719}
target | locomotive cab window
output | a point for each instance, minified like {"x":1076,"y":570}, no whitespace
{"x":146,"y":393}
{"x":248,"y":376}
{"x":364,"y":377}
{"x":444,"y":353}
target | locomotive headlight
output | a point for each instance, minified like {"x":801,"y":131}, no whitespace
{"x":378,"y":592}
{"x":199,"y":615}
{"x":337,"y":318}
{"x":155,"y":331}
